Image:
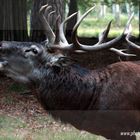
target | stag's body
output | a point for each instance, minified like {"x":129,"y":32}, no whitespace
{"x":106,"y":97}
{"x":79,"y":88}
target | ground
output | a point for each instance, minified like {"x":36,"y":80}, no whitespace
{"x":22,"y":117}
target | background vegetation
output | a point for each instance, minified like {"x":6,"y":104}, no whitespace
{"x":20,"y":20}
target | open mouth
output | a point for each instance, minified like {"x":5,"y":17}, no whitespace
{"x":1,"y":61}
{"x":2,"y":46}
{"x":3,"y":64}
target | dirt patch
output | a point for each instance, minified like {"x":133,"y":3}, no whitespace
{"x":15,"y":102}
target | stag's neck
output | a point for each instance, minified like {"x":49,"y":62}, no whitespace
{"x":73,"y":88}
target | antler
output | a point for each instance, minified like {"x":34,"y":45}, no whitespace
{"x":100,"y":45}
{"x":48,"y":31}
{"x":129,"y":30}
{"x":60,"y":41}
{"x":121,"y":52}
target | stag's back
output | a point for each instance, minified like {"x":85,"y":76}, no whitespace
{"x":120,"y":86}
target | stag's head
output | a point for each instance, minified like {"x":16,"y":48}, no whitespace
{"x":18,"y":59}
{"x":23,"y":60}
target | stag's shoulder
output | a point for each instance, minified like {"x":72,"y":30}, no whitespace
{"x":126,"y":64}
{"x":123,"y":67}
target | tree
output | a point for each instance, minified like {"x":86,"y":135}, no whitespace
{"x":37,"y":33}
{"x":73,"y":7}
{"x":116,"y":11}
{"x":13,"y":22}
{"x":102,"y":10}
{"x":20,"y":19}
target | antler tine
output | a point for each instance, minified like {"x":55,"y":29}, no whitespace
{"x":126,"y":31}
{"x":46,"y":9}
{"x":104,"y":34}
{"x":49,"y":15}
{"x":74,"y":32}
{"x":121,"y":53}
{"x":132,"y":44}
{"x":61,"y":28}
{"x":48,"y":31}
{"x":129,"y":29}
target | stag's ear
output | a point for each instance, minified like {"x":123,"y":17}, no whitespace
{"x":63,"y":62}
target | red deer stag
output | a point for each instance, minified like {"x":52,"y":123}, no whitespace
{"x":102,"y":101}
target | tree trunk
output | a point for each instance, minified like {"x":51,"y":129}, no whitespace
{"x":139,"y":19}
{"x":129,"y":8}
{"x":7,"y":20}
{"x":102,"y":10}
{"x":37,"y":33}
{"x":13,"y":20}
{"x":73,"y":7}
{"x":116,"y":12}
{"x":20,"y":19}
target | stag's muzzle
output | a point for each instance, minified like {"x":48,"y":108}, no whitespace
{"x":3,"y":64}
{"x":4,"y":45}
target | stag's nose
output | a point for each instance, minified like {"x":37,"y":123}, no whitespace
{"x":0,"y":44}
{"x":5,"y":49}
{"x":3,"y":64}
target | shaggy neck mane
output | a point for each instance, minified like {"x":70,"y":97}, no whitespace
{"x":71,"y":88}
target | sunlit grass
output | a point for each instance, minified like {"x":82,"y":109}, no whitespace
{"x":92,"y":26}
{"x":14,"y":128}
{"x":95,"y":32}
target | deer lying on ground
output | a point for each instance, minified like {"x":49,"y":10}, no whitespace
{"x":102,"y":101}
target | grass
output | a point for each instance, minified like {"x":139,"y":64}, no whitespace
{"x":10,"y":123}
{"x":9,"y":127}
{"x":16,"y":129}
{"x":92,"y":26}
{"x":69,"y":135}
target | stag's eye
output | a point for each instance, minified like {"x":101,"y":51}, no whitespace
{"x":31,"y":52}
{"x":34,"y":51}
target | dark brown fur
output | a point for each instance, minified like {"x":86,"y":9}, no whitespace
{"x":104,"y":101}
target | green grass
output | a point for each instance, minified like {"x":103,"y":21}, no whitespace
{"x":92,"y":26}
{"x":10,"y":123}
{"x":16,"y":129}
{"x":9,"y":126}
{"x":72,"y":135}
